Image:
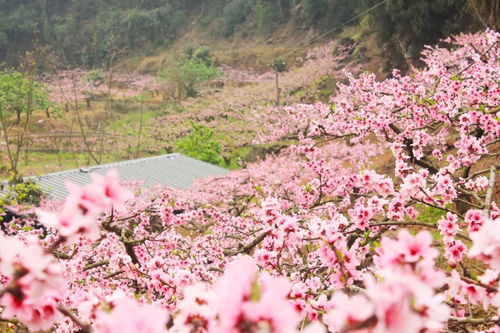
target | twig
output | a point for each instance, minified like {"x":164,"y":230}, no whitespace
{"x":477,"y":173}
{"x":247,"y":248}
{"x":472,"y":194}
{"x":437,"y":207}
{"x":95,"y":265}
{"x":480,"y":284}
{"x":85,"y":328}
{"x":215,"y":269}
{"x":474,"y":62}
{"x":469,"y":203}
{"x":61,"y":255}
{"x":111,"y":275}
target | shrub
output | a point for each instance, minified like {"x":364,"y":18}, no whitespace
{"x":22,"y":193}
{"x":201,"y":145}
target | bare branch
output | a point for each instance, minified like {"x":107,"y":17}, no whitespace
{"x":95,"y":265}
{"x":85,"y":328}
{"x":477,"y":173}
{"x":247,"y":248}
{"x":485,"y":286}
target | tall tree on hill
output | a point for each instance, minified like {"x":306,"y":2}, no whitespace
{"x":408,"y":25}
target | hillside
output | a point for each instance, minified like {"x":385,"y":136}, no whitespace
{"x":131,"y":123}
{"x":94,"y":33}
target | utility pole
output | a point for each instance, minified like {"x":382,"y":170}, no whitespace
{"x":279,"y":66}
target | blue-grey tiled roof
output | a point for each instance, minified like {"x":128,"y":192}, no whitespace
{"x":174,"y":170}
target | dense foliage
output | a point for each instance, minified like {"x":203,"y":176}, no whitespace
{"x":196,"y":67}
{"x":20,"y":95}
{"x":312,"y":239}
{"x":201,"y":145}
{"x":89,"y":32}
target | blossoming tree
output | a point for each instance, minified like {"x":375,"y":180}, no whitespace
{"x":317,"y":239}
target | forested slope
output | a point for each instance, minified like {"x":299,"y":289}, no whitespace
{"x":88,"y":33}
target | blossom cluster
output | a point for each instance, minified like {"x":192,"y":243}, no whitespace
{"x":381,"y":217}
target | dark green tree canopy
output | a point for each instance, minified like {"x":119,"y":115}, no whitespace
{"x":85,"y":32}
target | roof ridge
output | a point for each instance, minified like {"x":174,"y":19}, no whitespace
{"x":104,"y":166}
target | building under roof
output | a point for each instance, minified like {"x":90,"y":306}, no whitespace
{"x":174,"y":170}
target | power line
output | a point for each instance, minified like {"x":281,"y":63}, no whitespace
{"x":334,"y":28}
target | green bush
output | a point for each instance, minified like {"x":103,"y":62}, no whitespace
{"x":201,"y":145}
{"x":23,"y":193}
{"x":189,"y":73}
{"x":203,"y":54}
{"x":195,"y":71}
{"x":196,"y":67}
